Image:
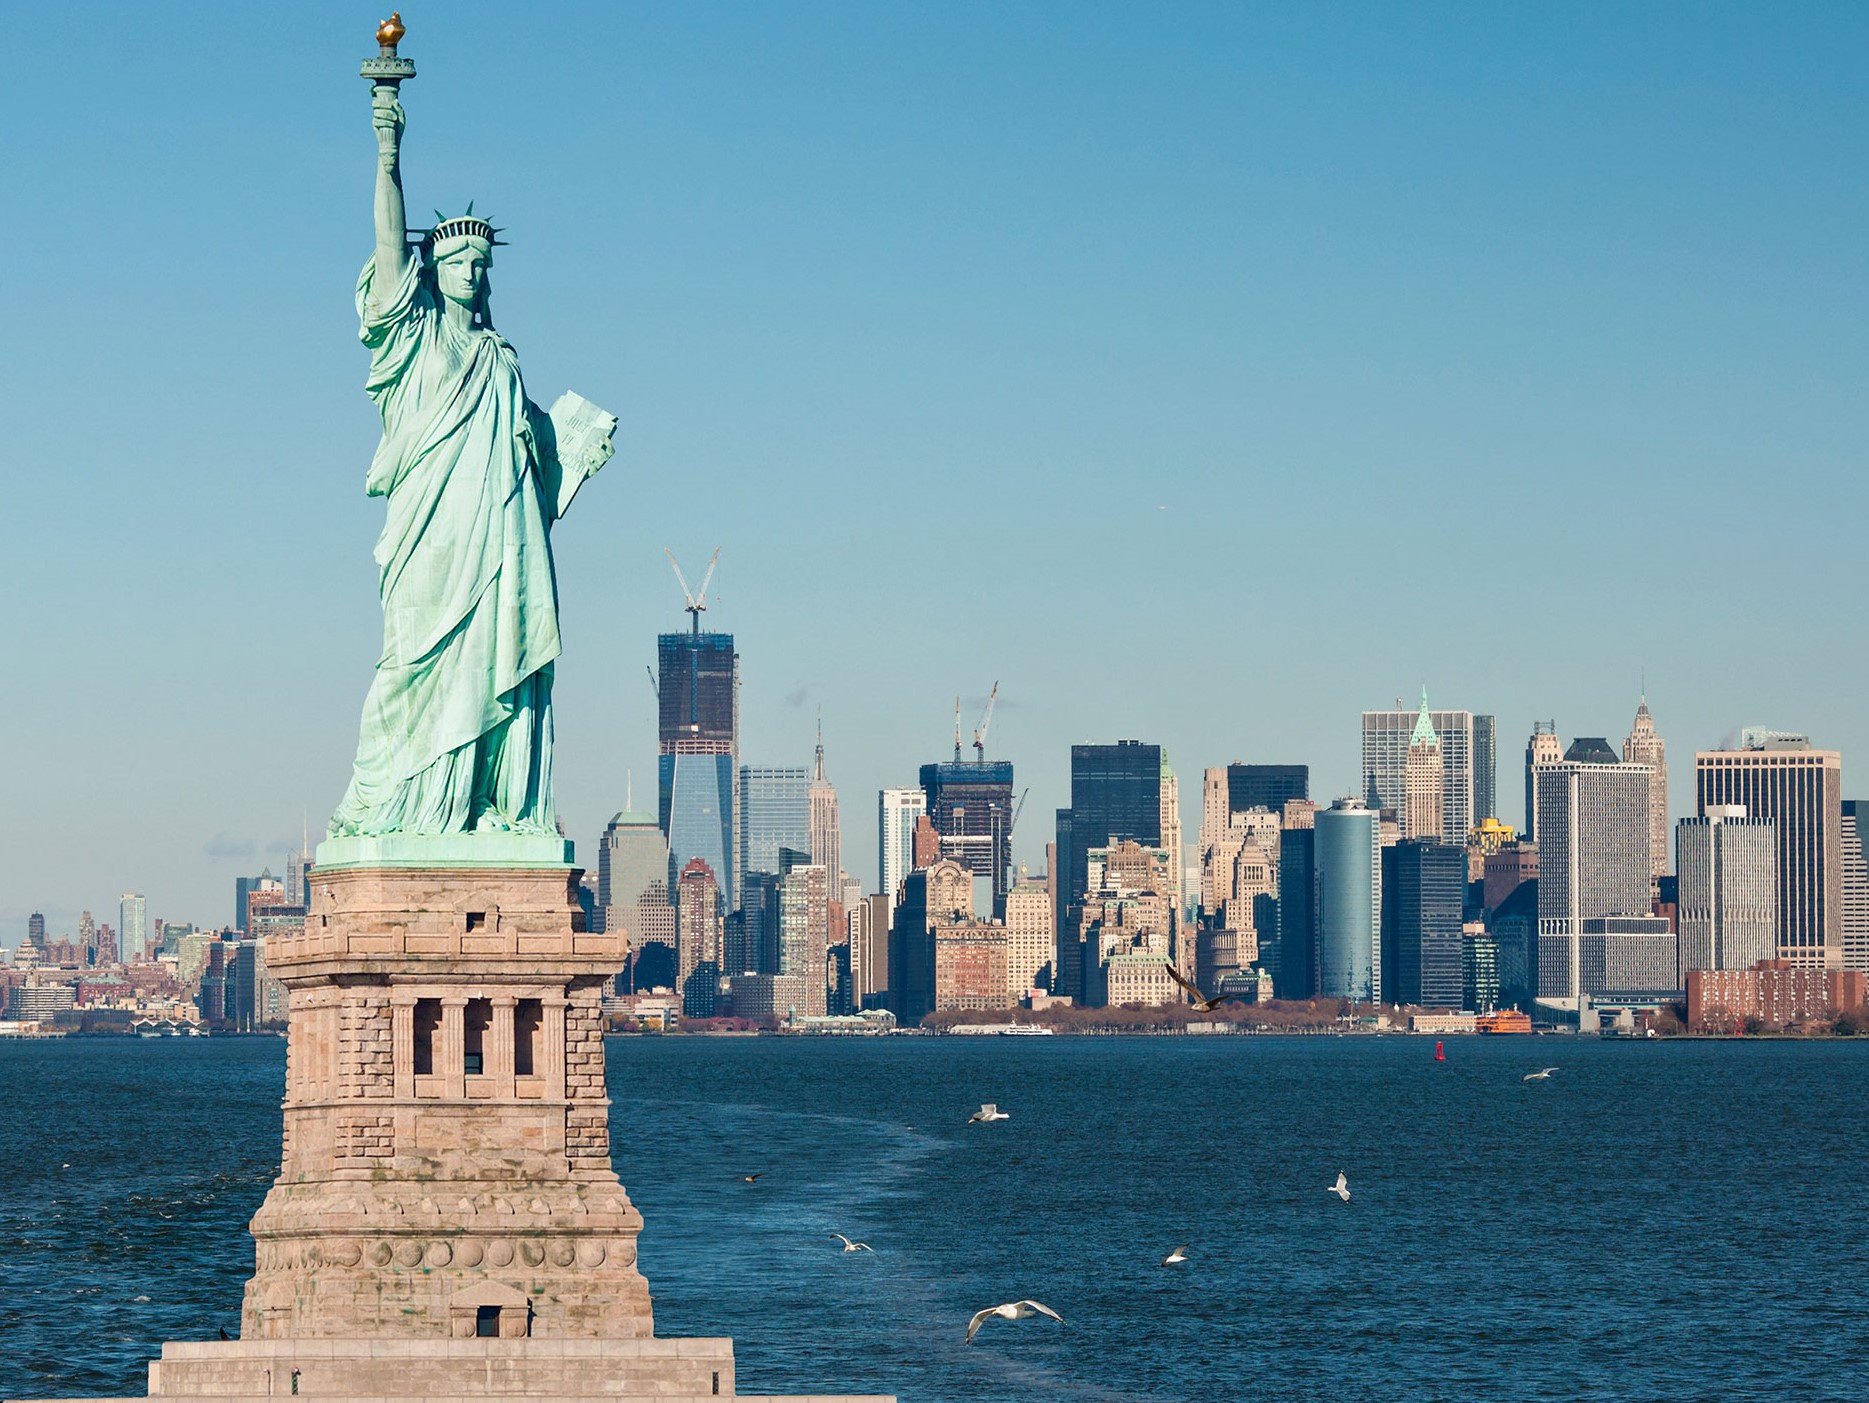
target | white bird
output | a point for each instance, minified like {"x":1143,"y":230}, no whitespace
{"x":1012,"y":1310}
{"x":850,"y":1246}
{"x":988,"y":1111}
{"x":1543,"y":1074}
{"x":1176,"y":1257}
{"x":1341,"y":1188}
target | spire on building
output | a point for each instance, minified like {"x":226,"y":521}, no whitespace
{"x":818,"y":775}
{"x":1424,"y":727}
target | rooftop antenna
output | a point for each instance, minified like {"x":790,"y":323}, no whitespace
{"x":696,"y":604}
{"x":957,"y":726}
{"x":629,"y":790}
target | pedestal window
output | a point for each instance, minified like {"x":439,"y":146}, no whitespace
{"x":426,"y":1026}
{"x":528,"y":1036}
{"x":474,"y":1026}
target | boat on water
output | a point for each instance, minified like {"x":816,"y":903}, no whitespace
{"x":1505,"y":1020}
{"x":1026,"y":1030}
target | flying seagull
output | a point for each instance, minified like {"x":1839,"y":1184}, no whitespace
{"x":1012,"y":1310}
{"x":1176,"y":1257}
{"x":1202,"y":1003}
{"x":988,"y":1111}
{"x":850,"y":1246}
{"x":1542,"y":1074}
{"x":750,"y":1178}
{"x":1341,"y":1188}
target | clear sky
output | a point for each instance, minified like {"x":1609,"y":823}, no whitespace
{"x":1205,"y":374}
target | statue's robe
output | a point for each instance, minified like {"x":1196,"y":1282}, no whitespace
{"x":457,"y":727}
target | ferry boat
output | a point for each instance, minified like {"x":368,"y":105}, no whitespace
{"x":1026,"y":1030}
{"x":1505,"y":1020}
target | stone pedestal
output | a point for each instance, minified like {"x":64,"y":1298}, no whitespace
{"x":446,"y":1122}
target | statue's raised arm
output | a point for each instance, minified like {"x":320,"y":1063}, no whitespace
{"x":392,"y":224}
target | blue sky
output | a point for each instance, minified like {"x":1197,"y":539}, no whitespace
{"x":1205,"y":374}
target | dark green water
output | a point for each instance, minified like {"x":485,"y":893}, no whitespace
{"x":1658,"y":1221}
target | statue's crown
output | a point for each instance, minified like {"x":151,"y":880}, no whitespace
{"x":461,"y":226}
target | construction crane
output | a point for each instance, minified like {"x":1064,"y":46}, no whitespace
{"x":696,"y":600}
{"x":986,"y":720}
{"x":1017,"y":809}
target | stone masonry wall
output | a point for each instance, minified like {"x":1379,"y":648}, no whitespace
{"x":366,"y":1053}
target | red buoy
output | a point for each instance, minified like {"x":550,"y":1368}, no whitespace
{"x":1439,"y":1054}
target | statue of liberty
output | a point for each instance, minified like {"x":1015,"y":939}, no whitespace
{"x":457,"y":727}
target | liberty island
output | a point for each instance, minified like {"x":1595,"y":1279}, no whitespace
{"x":446,"y":1221}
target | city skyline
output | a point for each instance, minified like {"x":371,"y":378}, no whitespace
{"x":1159,"y":321}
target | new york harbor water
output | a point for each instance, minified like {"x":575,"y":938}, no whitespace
{"x":1679,"y":1220}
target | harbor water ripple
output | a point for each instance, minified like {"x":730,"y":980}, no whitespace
{"x":1659,"y":1220}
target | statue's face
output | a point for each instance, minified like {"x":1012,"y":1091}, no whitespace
{"x":461,"y":273}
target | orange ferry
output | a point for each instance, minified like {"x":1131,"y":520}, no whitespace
{"x":1506,"y":1020}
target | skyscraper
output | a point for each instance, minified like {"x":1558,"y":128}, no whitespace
{"x":1779,"y":776}
{"x":1541,"y":749}
{"x":1031,"y":938}
{"x":1387,"y":736}
{"x":1592,"y":856}
{"x":298,"y":866}
{"x":775,"y":814}
{"x":245,"y":887}
{"x":936,"y":895}
{"x":1485,"y":769}
{"x":1855,"y":884}
{"x":632,"y":869}
{"x":1424,"y":781}
{"x":896,"y":812}
{"x":698,"y":703}
{"x":969,"y":802}
{"x":803,"y":917}
{"x":698,"y":936}
{"x":1295,"y":965}
{"x":1727,"y":866}
{"x":1171,"y":833}
{"x":132,"y":926}
{"x":1349,"y":901}
{"x":1265,"y":786}
{"x":1422,"y":910}
{"x":1116,"y":794}
{"x":826,"y":834}
{"x":1644,"y":747}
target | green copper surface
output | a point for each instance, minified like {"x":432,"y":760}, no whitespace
{"x":456,"y":738}
{"x":445,"y":850}
{"x":1424,"y":727}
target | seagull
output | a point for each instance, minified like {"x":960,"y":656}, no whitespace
{"x":1202,"y":1003}
{"x":1012,"y":1310}
{"x":1543,"y":1074}
{"x":988,"y":1111}
{"x":1176,"y":1257}
{"x":750,"y":1178}
{"x":1341,"y":1188}
{"x":850,"y":1246}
